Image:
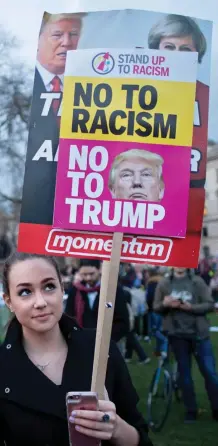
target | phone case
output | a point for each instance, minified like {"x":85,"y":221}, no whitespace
{"x":80,"y":401}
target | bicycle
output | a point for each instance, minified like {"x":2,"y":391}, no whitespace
{"x":164,"y":383}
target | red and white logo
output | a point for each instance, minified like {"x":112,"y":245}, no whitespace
{"x":77,"y":244}
{"x":103,"y":63}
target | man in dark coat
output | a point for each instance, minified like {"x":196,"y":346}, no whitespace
{"x":83,"y":301}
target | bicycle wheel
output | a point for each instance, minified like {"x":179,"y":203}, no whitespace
{"x":159,"y":399}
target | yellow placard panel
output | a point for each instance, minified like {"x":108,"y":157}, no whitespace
{"x":134,"y":110}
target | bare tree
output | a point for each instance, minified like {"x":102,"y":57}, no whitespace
{"x":15,"y":94}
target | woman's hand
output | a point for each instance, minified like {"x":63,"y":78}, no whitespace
{"x":90,"y":422}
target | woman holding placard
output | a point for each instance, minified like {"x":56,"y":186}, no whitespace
{"x":44,"y":356}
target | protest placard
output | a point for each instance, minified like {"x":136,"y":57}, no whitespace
{"x":122,"y":140}
{"x":129,"y":28}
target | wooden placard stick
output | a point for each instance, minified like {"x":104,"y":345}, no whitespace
{"x":110,"y":271}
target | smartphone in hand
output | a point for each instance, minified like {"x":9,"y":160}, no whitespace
{"x":80,"y":401}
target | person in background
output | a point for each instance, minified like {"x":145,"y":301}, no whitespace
{"x":66,"y":281}
{"x":71,"y":270}
{"x":155,"y":319}
{"x":140,"y":311}
{"x":127,"y":275}
{"x":145,"y":322}
{"x":46,"y":355}
{"x":214,"y":286}
{"x":145,"y":327}
{"x":83,"y":300}
{"x":66,"y":278}
{"x":205,"y":267}
{"x":131,"y":277}
{"x":138,"y":282}
{"x":184,"y":301}
{"x":132,"y":342}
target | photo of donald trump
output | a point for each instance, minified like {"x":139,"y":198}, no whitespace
{"x":59,"y":33}
{"x":137,"y":175}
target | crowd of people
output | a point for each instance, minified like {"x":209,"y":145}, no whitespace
{"x":136,"y":287}
{"x":168,"y":305}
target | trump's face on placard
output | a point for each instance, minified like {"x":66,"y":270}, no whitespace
{"x":137,"y":175}
{"x":56,"y":38}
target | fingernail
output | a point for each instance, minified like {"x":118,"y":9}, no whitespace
{"x":72,"y":419}
{"x":73,"y":414}
{"x":78,"y":428}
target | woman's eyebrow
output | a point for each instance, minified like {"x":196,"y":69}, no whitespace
{"x":29,"y":284}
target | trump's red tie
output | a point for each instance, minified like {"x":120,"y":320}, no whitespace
{"x":56,"y":88}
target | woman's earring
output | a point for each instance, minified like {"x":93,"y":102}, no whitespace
{"x":11,"y":310}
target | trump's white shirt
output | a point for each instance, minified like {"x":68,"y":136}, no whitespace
{"x":48,"y":77}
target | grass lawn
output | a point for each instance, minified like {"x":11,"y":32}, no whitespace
{"x":175,"y":433}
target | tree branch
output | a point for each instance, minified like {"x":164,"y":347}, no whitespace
{"x":14,"y":200}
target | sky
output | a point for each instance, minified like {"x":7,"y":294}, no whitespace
{"x":22,"y":18}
